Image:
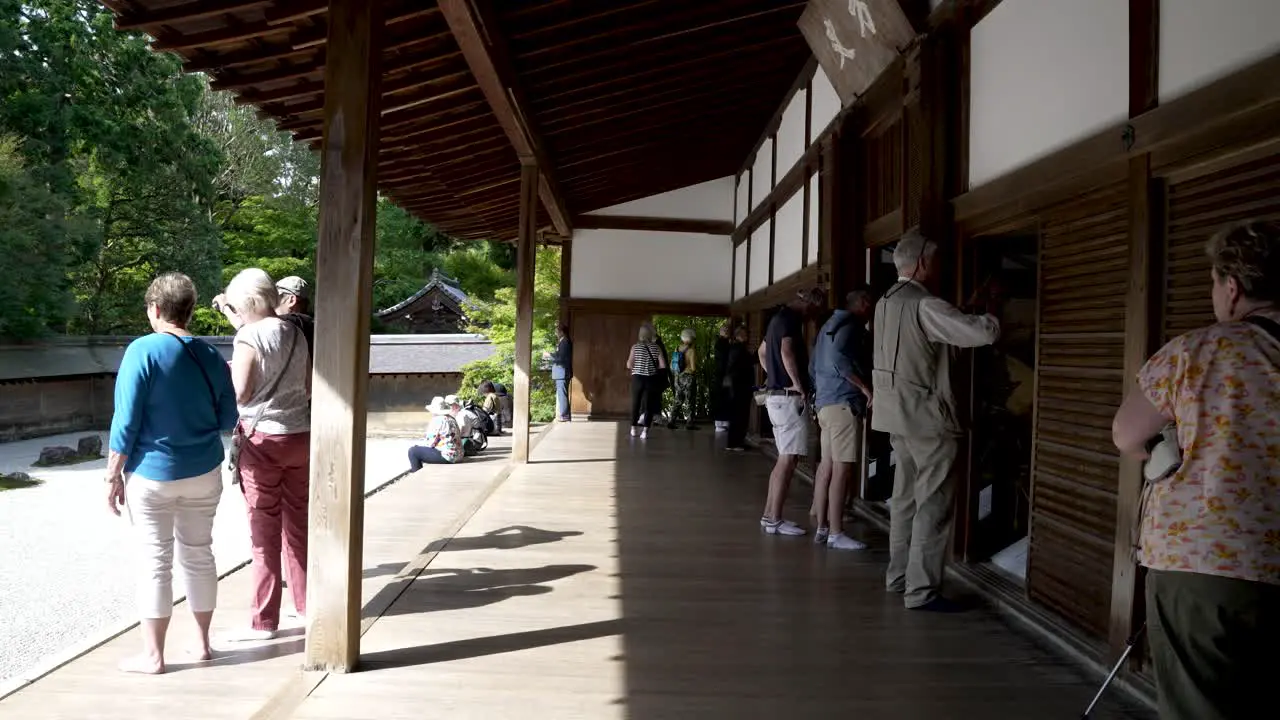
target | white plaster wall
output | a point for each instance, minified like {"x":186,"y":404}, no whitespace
{"x":712,"y":200}
{"x":788,"y":237}
{"x":740,"y":278}
{"x":759,"y":258}
{"x":636,"y":265}
{"x":1044,"y":73}
{"x":791,"y":133}
{"x":762,"y":173}
{"x":741,"y":206}
{"x":826,"y":103}
{"x":814,"y":217}
{"x":1201,"y":41}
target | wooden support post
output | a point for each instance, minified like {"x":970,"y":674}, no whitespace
{"x":566,"y":277}
{"x":526,"y":256}
{"x":1137,"y":347}
{"x":1140,"y":312}
{"x":344,"y":295}
{"x":829,"y":248}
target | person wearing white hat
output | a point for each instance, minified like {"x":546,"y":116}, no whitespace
{"x":442,"y":444}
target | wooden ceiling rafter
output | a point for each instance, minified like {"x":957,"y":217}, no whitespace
{"x":629,"y":97}
{"x":196,"y":10}
{"x":650,"y":70}
{"x":614,"y":46}
{"x":484,"y":48}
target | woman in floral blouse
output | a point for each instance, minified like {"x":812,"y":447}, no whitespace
{"x":443,"y":442}
{"x":1210,"y":533}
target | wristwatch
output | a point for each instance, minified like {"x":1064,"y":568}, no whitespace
{"x":112,"y":478}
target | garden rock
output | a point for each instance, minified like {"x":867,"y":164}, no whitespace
{"x":90,"y":446}
{"x":57,"y":455}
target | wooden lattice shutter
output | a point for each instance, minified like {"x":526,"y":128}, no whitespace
{"x":1197,"y":209}
{"x":1084,"y":277}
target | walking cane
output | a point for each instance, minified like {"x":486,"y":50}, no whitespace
{"x":1128,"y":648}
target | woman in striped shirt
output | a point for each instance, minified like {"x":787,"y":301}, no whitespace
{"x":645,"y":363}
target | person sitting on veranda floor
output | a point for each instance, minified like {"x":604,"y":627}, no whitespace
{"x":442,"y":444}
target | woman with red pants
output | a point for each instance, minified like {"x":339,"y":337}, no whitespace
{"x":269,"y":367}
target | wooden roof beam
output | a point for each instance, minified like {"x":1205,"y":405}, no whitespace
{"x":476,"y":31}
{"x":181,"y":13}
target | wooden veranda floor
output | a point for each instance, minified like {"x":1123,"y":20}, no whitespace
{"x":610,"y":578}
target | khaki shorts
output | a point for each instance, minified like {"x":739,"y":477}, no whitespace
{"x":841,"y":437}
{"x":790,"y":423}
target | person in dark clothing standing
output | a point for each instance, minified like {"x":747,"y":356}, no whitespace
{"x":784,"y":355}
{"x":562,"y":370}
{"x":295,"y":305}
{"x":740,"y":371}
{"x":720,"y":381}
{"x":663,"y":380}
{"x":841,"y":372}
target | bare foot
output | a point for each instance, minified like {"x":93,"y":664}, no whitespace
{"x":204,"y":654}
{"x":143,"y":665}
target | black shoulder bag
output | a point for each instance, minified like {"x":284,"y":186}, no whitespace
{"x":213,"y":396}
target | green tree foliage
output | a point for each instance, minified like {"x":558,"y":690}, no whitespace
{"x":705,"y":331}
{"x":497,"y":320}
{"x":106,"y":130}
{"x":32,"y":237}
{"x":115,"y":167}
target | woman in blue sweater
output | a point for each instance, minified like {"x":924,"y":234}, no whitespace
{"x":173,"y":400}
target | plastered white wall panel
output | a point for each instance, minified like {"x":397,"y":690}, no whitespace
{"x":741,"y":206}
{"x":826,"y":103}
{"x":636,"y":265}
{"x":759,"y":258}
{"x":1201,"y":41}
{"x":740,"y":278}
{"x":762,"y":173}
{"x":814,"y":216}
{"x":788,"y":237}
{"x":1043,"y":74}
{"x":791,"y":134}
{"x":712,"y":200}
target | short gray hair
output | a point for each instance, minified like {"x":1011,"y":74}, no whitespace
{"x":646,"y":333}
{"x":174,"y":297}
{"x":910,"y":249}
{"x":857,"y":294}
{"x":688,"y":334}
{"x":1250,"y":253}
{"x":252,"y":289}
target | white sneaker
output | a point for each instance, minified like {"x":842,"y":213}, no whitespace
{"x":635,"y":431}
{"x":840,"y":541}
{"x":644,"y":434}
{"x":781,"y":527}
{"x":820,"y":535}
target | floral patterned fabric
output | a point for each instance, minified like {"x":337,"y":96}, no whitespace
{"x":1219,"y":514}
{"x":444,"y":435}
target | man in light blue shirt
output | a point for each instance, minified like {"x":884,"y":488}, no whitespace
{"x":840,"y":369}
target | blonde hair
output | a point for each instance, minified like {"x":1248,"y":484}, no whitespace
{"x":687,"y":335}
{"x":646,"y":333}
{"x":253,"y":290}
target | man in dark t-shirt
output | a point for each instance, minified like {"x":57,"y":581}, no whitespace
{"x":785,"y":358}
{"x":294,"y":302}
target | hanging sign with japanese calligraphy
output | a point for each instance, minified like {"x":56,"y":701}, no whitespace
{"x":855,"y":40}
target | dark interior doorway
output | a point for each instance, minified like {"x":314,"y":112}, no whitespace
{"x":1003,"y":402}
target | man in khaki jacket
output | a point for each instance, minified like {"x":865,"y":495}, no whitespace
{"x":915,"y":404}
